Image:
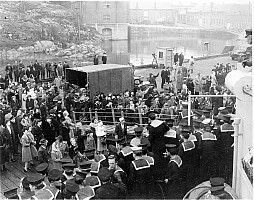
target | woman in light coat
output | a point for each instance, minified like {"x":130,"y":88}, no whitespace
{"x":28,"y":149}
{"x":100,"y":133}
{"x":56,"y":156}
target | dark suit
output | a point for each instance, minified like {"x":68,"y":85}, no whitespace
{"x":42,"y":155}
{"x":10,"y":136}
{"x":121,"y":132}
{"x":140,"y":179}
{"x":109,"y":191}
{"x":38,"y":135}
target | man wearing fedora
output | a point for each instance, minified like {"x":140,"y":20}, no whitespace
{"x":217,"y":101}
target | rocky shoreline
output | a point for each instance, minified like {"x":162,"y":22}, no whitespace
{"x":72,"y":52}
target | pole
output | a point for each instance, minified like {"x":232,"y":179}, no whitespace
{"x":90,"y":114}
{"x":113,"y":115}
{"x":122,"y":113}
{"x":236,"y":124}
{"x":140,"y":115}
{"x":74,"y":118}
{"x":189,"y":109}
{"x":96,"y":115}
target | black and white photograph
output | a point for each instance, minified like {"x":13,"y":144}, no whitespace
{"x":138,"y":99}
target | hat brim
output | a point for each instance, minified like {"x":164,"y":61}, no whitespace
{"x":213,"y":189}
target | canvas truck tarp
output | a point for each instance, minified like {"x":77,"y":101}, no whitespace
{"x":102,"y":78}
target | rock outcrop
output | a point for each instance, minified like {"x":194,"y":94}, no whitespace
{"x":29,"y":27}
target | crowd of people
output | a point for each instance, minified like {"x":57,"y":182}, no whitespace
{"x":76,"y":159}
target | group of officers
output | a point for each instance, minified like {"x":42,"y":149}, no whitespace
{"x":167,"y":163}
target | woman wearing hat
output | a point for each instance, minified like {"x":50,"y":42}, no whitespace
{"x":28,"y":149}
{"x":26,"y":121}
{"x":100,"y":133}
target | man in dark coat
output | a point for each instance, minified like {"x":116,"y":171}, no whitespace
{"x":16,"y":71}
{"x":108,"y":190}
{"x":48,"y":130}
{"x":121,"y":129}
{"x":187,"y":152}
{"x":22,"y":72}
{"x":125,"y":156}
{"x":42,"y":70}
{"x":208,"y":153}
{"x":3,"y":148}
{"x":9,"y":132}
{"x":190,"y":85}
{"x":140,"y":177}
{"x":104,"y":58}
{"x":48,"y":68}
{"x":42,"y":151}
{"x":9,"y":69}
{"x":37,"y":71}
{"x":65,"y":66}
{"x":37,"y":132}
{"x":96,"y":60}
{"x":152,"y":79}
{"x":172,"y":177}
{"x":16,"y":138}
{"x":164,"y":76}
{"x":157,"y":130}
{"x":176,"y":58}
{"x":217,"y":101}
{"x":119,"y":176}
{"x":225,"y":149}
{"x":181,"y":59}
{"x":29,"y":69}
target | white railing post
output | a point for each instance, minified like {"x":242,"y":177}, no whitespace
{"x":236,"y":124}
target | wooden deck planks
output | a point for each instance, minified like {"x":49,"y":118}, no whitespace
{"x":13,"y":178}
{"x":17,"y":172}
{"x":3,"y":187}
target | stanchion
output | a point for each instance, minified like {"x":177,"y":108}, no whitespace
{"x":113,"y":115}
{"x":140,"y":115}
{"x":96,"y":115}
{"x":90,"y":114}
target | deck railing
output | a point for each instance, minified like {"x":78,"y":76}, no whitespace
{"x":112,"y":115}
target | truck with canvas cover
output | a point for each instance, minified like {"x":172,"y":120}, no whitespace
{"x":105,"y":78}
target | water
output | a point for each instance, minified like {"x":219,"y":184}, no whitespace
{"x":139,"y":49}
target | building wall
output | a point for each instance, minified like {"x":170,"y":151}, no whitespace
{"x":110,"y":18}
{"x":152,"y":16}
{"x":119,"y":31}
{"x":225,"y":16}
{"x":105,"y":12}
